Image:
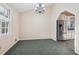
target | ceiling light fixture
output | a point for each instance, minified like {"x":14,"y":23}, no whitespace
{"x":39,"y":8}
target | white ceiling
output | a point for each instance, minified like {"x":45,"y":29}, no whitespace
{"x":21,"y":7}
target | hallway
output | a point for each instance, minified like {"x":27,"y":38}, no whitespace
{"x":67,"y":43}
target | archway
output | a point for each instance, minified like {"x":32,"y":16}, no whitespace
{"x":66,"y":29}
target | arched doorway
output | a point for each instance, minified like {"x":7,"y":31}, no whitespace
{"x":66,"y":29}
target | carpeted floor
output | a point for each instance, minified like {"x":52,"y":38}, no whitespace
{"x":39,"y":47}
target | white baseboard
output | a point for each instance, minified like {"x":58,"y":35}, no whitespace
{"x":9,"y":47}
{"x":34,"y":38}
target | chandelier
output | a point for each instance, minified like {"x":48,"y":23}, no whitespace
{"x":40,"y":8}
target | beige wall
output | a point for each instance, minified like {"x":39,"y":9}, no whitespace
{"x":56,"y":11}
{"x":35,"y":26}
{"x":6,"y":41}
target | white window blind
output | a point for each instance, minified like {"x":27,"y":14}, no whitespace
{"x":4,"y":20}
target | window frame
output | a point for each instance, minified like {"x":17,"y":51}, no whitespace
{"x":5,"y":18}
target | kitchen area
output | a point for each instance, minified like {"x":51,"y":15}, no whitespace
{"x":66,"y":29}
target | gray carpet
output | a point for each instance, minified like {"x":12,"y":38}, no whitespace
{"x":39,"y":47}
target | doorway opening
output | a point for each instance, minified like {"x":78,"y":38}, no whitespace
{"x":66,"y":29}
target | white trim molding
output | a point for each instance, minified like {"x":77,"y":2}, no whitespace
{"x":13,"y":43}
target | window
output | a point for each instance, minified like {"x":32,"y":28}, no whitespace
{"x":4,"y":20}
